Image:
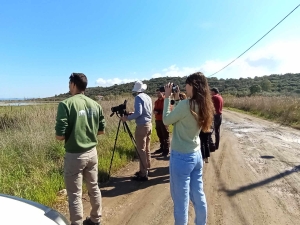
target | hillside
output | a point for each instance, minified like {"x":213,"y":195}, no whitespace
{"x":272,"y":84}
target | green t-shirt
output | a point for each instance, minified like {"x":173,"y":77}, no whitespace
{"x":79,"y":119}
{"x":186,"y":132}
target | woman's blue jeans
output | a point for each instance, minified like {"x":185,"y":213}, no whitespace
{"x":186,"y":183}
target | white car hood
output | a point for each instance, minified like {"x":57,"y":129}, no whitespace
{"x":14,"y":211}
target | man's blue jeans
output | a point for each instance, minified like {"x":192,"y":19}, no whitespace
{"x":186,"y":183}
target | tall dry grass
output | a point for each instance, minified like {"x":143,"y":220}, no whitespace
{"x":31,"y":160}
{"x":284,"y":109}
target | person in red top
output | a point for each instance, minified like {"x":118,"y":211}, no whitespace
{"x":161,"y":130}
{"x":218,"y":104}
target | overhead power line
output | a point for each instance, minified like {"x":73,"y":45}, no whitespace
{"x":255,"y":42}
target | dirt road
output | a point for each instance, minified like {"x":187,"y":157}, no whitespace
{"x":254,"y":178}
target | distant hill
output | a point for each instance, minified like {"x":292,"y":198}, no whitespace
{"x":272,"y":84}
{"x":10,"y":99}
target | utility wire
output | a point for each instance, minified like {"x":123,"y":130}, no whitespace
{"x":254,"y":43}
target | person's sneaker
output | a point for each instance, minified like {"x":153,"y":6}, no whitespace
{"x":139,"y":178}
{"x":158,"y":151}
{"x":206,"y":160}
{"x":88,"y":221}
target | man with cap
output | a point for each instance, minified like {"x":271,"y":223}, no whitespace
{"x":218,"y":104}
{"x":142,"y":115}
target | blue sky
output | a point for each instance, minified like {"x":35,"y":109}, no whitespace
{"x":43,"y":41}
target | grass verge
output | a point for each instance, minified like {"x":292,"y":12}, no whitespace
{"x":32,"y":160}
{"x":283,"y":110}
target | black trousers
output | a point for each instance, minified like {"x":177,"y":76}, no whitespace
{"x":217,"y":125}
{"x":163,"y":134}
{"x":204,"y":139}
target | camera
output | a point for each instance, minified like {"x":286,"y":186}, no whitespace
{"x":119,"y":110}
{"x":174,"y":89}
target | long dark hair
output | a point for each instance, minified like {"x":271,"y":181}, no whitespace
{"x":202,"y":99}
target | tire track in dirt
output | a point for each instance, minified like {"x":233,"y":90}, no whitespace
{"x":286,"y":184}
{"x":265,"y":153}
{"x":221,"y":171}
{"x":218,"y":212}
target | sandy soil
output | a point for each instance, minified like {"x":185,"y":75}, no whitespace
{"x":254,"y":178}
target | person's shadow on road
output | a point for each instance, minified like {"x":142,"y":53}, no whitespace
{"x":124,"y":185}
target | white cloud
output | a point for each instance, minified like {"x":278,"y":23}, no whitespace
{"x":274,"y":58}
{"x":175,"y":71}
{"x":278,"y":57}
{"x":156,"y":75}
{"x":109,"y":82}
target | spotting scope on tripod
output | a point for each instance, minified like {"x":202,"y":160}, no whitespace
{"x":120,"y":111}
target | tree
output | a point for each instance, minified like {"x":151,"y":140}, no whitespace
{"x":274,"y":82}
{"x":266,"y":85}
{"x":255,"y":89}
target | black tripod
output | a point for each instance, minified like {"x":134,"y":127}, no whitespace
{"x":127,"y":130}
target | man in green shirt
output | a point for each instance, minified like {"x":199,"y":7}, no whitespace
{"x":78,"y":122}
